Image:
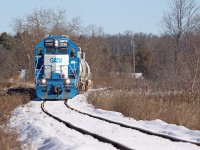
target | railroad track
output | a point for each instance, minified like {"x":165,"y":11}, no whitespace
{"x":135,"y":128}
{"x":83,"y":131}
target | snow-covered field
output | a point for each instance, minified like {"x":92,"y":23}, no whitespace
{"x":39,"y":131}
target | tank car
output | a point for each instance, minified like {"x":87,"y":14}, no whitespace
{"x":61,"y":71}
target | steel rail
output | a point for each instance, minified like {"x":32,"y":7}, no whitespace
{"x":172,"y":138}
{"x":96,"y":136}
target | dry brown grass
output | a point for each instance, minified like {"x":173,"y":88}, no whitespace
{"x":121,"y":83}
{"x":8,"y":140}
{"x":172,"y":107}
{"x":8,"y":102}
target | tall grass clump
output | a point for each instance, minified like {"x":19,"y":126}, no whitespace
{"x":8,"y":102}
{"x":143,"y":101}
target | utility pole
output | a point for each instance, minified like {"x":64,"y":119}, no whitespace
{"x":119,"y":61}
{"x":133,"y":45}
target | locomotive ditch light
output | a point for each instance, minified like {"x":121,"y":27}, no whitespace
{"x":67,"y":81}
{"x":43,"y":81}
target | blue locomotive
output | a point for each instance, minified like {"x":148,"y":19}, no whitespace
{"x":61,"y":71}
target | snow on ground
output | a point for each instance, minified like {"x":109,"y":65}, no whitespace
{"x":39,"y":131}
{"x":157,"y":126}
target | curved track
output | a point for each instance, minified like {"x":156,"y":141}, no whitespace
{"x":135,"y":128}
{"x":96,"y":136}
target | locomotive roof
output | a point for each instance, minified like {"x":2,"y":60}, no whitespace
{"x":57,"y":36}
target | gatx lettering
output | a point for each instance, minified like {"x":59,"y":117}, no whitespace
{"x":56,"y":60}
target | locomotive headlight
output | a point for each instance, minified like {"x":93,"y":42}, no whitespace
{"x":67,"y":81}
{"x":56,"y":43}
{"x":43,"y":81}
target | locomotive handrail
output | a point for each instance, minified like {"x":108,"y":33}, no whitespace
{"x":36,"y":68}
{"x":36,"y":62}
{"x":73,"y":70}
{"x":74,"y":73}
{"x":38,"y":73}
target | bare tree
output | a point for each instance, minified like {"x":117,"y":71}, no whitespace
{"x":75,"y":26}
{"x":40,"y":22}
{"x":32,"y":28}
{"x":180,"y":21}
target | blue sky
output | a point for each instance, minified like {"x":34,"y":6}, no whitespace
{"x":113,"y":15}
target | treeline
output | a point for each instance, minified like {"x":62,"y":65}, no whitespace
{"x":168,"y":60}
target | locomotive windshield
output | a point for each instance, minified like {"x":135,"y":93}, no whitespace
{"x":62,"y":50}
{"x":51,"y":50}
